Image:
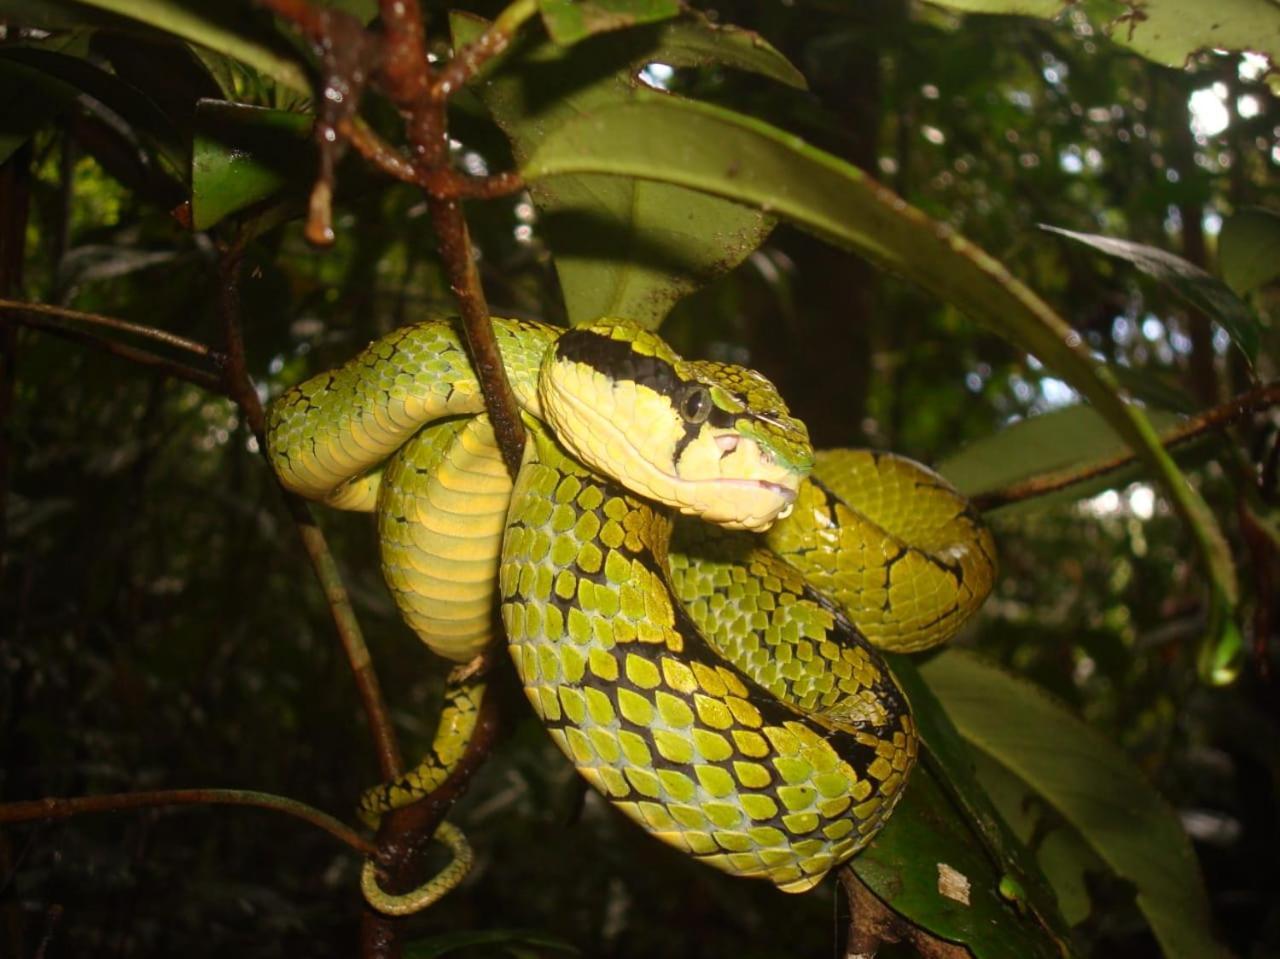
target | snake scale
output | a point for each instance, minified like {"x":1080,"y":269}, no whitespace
{"x":717,"y":683}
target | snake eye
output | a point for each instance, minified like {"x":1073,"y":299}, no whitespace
{"x":695,"y":405}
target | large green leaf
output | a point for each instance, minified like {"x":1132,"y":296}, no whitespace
{"x":947,"y":824}
{"x":1073,"y":438}
{"x":624,"y":247}
{"x":1249,"y":249}
{"x":1200,"y":289}
{"x":228,"y":28}
{"x":707,"y":148}
{"x":1166,"y":31}
{"x":1091,"y":784}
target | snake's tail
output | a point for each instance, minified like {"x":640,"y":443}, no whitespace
{"x":442,"y":883}
{"x":458,"y":718}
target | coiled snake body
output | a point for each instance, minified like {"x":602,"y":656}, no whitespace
{"x":710,"y":682}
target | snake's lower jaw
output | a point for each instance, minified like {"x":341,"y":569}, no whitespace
{"x":745,"y":504}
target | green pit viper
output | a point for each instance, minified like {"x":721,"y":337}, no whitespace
{"x":717,"y":683}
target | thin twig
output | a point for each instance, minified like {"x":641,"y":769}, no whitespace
{"x":445,"y":182}
{"x":241,"y":390}
{"x":1261,"y":398}
{"x":179,"y":371}
{"x":468,"y":61}
{"x":97,"y":319}
{"x":44,"y":810}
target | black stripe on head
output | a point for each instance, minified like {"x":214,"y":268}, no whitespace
{"x":619,"y":360}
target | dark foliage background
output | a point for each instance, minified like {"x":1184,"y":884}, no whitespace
{"x":159,"y":626}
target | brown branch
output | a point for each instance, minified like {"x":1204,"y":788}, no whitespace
{"x":406,"y":74}
{"x":455,"y":250}
{"x":44,"y":810}
{"x":240,"y":388}
{"x":179,"y":371}
{"x":1261,"y":398}
{"x":872,"y":923}
{"x":406,"y":832}
{"x":97,"y":319}
{"x":444,"y":182}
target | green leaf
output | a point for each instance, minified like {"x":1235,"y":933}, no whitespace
{"x":1073,"y":438}
{"x":624,"y":247}
{"x":569,"y":21}
{"x":1192,"y":284}
{"x":707,"y":148}
{"x":1063,"y":856}
{"x":927,"y":839}
{"x":951,"y":760}
{"x":243,"y":155}
{"x":1249,"y":250}
{"x":1091,"y":784}
{"x":1166,"y":31}
{"x":224,"y":27}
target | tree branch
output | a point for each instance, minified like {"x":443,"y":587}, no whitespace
{"x":179,"y":371}
{"x":239,"y":387}
{"x":43,"y":810}
{"x":97,"y":319}
{"x":1261,"y":398}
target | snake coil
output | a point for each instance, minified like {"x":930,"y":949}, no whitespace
{"x":718,"y":686}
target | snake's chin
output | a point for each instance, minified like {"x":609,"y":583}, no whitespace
{"x":770,"y":503}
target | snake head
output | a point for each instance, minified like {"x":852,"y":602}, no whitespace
{"x":710,"y":439}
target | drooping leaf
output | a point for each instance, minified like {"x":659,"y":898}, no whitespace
{"x":243,"y":155}
{"x":704,"y":147}
{"x":229,"y":28}
{"x":1249,"y":250}
{"x":1194,"y":285}
{"x":1094,"y":787}
{"x":624,"y":247}
{"x":569,"y":21}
